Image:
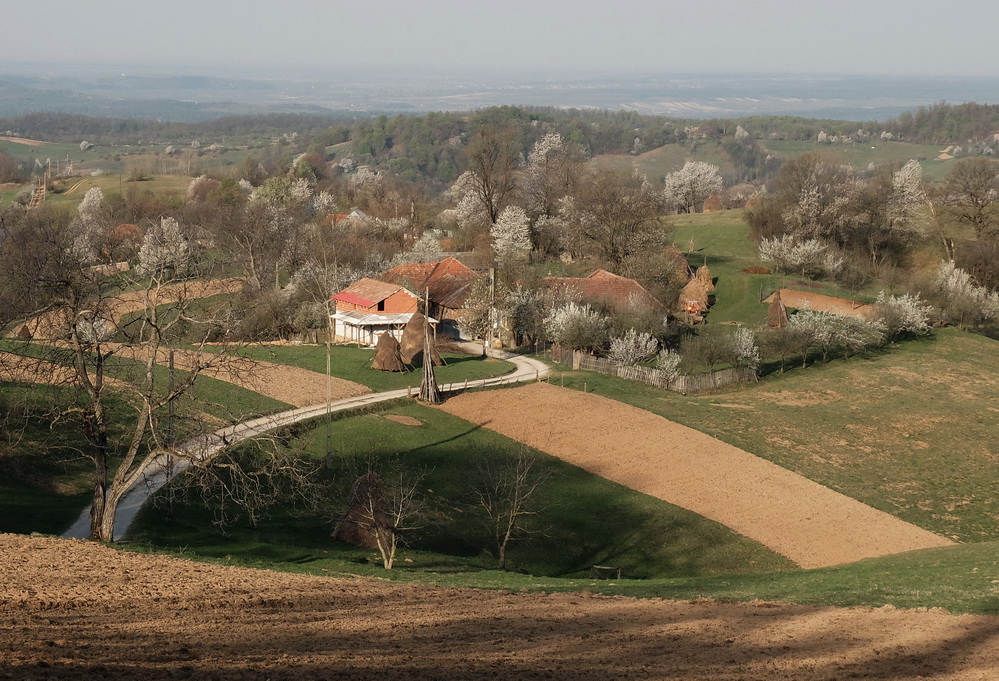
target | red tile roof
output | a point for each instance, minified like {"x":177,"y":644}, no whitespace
{"x":448,"y":281}
{"x":366,"y":292}
{"x":610,"y":289}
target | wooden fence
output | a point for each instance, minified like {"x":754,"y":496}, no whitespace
{"x":654,"y":377}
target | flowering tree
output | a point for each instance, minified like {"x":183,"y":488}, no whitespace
{"x":669,"y":362}
{"x":512,"y":238}
{"x":164,"y":248}
{"x":789,"y":253}
{"x":90,"y":229}
{"x":634,"y":347}
{"x":959,"y":297}
{"x":687,"y":189}
{"x":745,"y":349}
{"x":577,"y":326}
{"x":902,"y":315}
{"x":829,"y":332}
{"x":552,"y":171}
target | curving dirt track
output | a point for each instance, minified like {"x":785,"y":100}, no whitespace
{"x":810,"y":524}
{"x":81,"y":611}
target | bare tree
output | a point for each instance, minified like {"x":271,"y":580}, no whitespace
{"x":72,"y":305}
{"x":507,"y":493}
{"x":973,"y":188}
{"x":492,"y":156}
{"x":385,"y":505}
{"x":616,"y":216}
{"x":245,"y":482}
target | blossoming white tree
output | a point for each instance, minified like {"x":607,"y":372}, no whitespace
{"x":905,"y":314}
{"x":686,"y":190}
{"x":959,"y":297}
{"x":164,"y":248}
{"x":634,"y":347}
{"x":512,"y":238}
{"x":577,"y":326}
{"x":790,"y":253}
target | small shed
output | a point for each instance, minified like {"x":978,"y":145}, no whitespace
{"x":364,"y":328}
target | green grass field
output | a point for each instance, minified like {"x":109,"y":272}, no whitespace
{"x":908,"y":430}
{"x":960,"y":579}
{"x":354,"y":364}
{"x":585,"y":520}
{"x":860,"y":156}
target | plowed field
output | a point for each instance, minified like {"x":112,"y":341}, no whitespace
{"x":74,"y":610}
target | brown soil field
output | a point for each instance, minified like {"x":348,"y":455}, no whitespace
{"x":21,"y":140}
{"x":818,"y":302}
{"x":297,"y":387}
{"x":75,"y":610}
{"x":810,"y":524}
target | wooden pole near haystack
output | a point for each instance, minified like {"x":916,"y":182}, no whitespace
{"x":428,"y":389}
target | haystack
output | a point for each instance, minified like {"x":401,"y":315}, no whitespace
{"x":704,"y":276}
{"x":24,"y":333}
{"x":693,"y":298}
{"x":412,"y":342}
{"x":387,"y":354}
{"x":713,"y":204}
{"x":675,"y":264}
{"x":364,"y":515}
{"x":777,"y":312}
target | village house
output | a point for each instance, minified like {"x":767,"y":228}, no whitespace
{"x":369,"y":307}
{"x":445,"y":283}
{"x":609,"y":290}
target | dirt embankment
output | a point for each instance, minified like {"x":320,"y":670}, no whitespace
{"x":74,"y":610}
{"x":810,"y":524}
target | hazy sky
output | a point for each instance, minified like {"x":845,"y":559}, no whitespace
{"x":916,"y":37}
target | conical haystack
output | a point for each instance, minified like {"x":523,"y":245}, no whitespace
{"x":364,"y":515}
{"x":412,"y":342}
{"x":693,"y":298}
{"x":387,"y":354}
{"x":777,"y":312}
{"x":704,"y":276}
{"x":713,"y":204}
{"x":675,"y":264}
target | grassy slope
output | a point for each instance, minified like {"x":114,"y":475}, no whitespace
{"x":860,"y":156}
{"x":910,"y":430}
{"x":46,"y":479}
{"x":586,"y":520}
{"x":961,"y":579}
